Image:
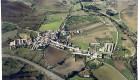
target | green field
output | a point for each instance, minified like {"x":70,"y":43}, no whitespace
{"x":77,"y":7}
{"x":53,"y":22}
{"x":114,"y":35}
{"x":127,"y":74}
{"x":10,"y":34}
{"x":107,"y":73}
{"x":80,"y":19}
{"x":83,"y":45}
{"x":79,"y":78}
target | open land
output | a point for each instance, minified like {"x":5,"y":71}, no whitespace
{"x":105,"y":73}
{"x":54,"y":55}
{"x":119,"y":65}
{"x":68,"y":66}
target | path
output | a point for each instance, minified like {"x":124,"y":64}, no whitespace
{"x":47,"y":72}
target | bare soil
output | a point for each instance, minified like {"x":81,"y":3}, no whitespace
{"x":14,"y":11}
{"x":119,"y":65}
{"x":54,"y":55}
{"x":68,"y":66}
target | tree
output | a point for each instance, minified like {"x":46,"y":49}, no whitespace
{"x":33,"y":34}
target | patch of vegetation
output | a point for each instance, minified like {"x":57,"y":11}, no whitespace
{"x":92,"y":7}
{"x":76,"y":7}
{"x":103,"y":40}
{"x":53,"y":22}
{"x":127,"y":74}
{"x":76,"y":77}
{"x":51,"y":26}
{"x":9,"y":35}
{"x":24,"y":35}
{"x":80,"y":19}
{"x":114,"y":35}
{"x":6,"y":26}
{"x":83,"y":45}
{"x":33,"y":34}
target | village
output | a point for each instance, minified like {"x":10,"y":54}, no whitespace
{"x":49,"y":38}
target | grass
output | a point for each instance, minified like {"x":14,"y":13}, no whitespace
{"x":86,"y":3}
{"x":83,"y":45}
{"x":51,"y":26}
{"x":24,"y":35}
{"x":33,"y":55}
{"x":8,"y":26}
{"x":127,"y":74}
{"x":79,"y":78}
{"x":77,"y":7}
{"x":80,"y":19}
{"x":10,"y":34}
{"x":114,"y":35}
{"x":106,"y":72}
{"x":53,"y":22}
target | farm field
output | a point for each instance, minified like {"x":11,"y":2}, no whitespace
{"x":128,"y":44}
{"x":83,"y":40}
{"x":10,"y":34}
{"x":54,"y":55}
{"x":15,"y":70}
{"x":130,"y":18}
{"x":73,"y":20}
{"x":14,"y":11}
{"x":79,"y":78}
{"x":119,"y":65}
{"x":33,"y":20}
{"x":53,"y":22}
{"x":53,"y":5}
{"x":76,"y":7}
{"x":78,"y":13}
{"x":105,"y":73}
{"x":68,"y":66}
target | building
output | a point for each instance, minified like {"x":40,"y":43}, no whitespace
{"x":108,"y":47}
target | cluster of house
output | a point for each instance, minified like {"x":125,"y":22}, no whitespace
{"x":95,"y":50}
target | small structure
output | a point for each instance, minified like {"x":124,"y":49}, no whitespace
{"x":108,"y":47}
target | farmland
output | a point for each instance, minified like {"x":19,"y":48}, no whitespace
{"x":14,"y":69}
{"x":119,"y":65}
{"x":14,"y":11}
{"x":68,"y":66}
{"x":129,"y":16}
{"x":54,"y":55}
{"x":53,"y":22}
{"x":105,"y":73}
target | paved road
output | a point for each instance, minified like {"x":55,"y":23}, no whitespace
{"x":47,"y":72}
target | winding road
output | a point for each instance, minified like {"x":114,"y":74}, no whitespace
{"x":47,"y":72}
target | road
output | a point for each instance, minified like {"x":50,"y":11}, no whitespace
{"x":47,"y":72}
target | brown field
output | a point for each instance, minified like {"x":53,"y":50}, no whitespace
{"x":79,"y":26}
{"x":128,"y":44}
{"x":120,"y":3}
{"x":90,"y":38}
{"x":54,"y":55}
{"x":68,"y":66}
{"x":14,"y":11}
{"x":78,"y":13}
{"x":119,"y":65}
{"x":130,"y":18}
{"x":33,"y":20}
{"x":52,"y":5}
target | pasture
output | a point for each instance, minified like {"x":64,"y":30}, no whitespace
{"x":53,"y":22}
{"x":106,"y":72}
